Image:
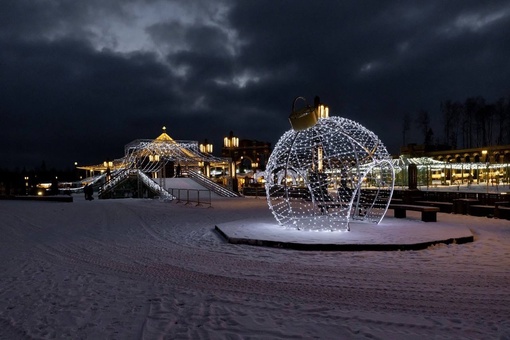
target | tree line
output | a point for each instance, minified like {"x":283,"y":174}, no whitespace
{"x":469,"y":124}
{"x":23,"y":181}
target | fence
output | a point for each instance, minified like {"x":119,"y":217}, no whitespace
{"x":254,"y":191}
{"x":190,"y":196}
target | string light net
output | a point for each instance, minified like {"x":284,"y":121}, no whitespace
{"x":324,"y":176}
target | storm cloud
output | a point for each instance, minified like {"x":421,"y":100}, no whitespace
{"x":79,"y":80}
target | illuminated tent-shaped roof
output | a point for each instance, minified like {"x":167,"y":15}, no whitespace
{"x":150,"y":155}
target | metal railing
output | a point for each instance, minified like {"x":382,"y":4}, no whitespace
{"x":213,"y":186}
{"x":123,"y":175}
{"x":254,"y":191}
{"x":190,"y":196}
{"x":116,"y":179}
{"x":155,"y":187}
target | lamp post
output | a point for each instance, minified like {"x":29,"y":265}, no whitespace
{"x":76,"y":172}
{"x":485,"y":156}
{"x":154,"y":160}
{"x":108,"y":165}
{"x":26,"y":185}
{"x":231,"y":143}
{"x":507,"y":175}
{"x":206,"y":148}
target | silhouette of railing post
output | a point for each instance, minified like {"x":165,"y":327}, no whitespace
{"x":190,"y":199}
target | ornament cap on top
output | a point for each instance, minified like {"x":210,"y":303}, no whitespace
{"x":304,"y":118}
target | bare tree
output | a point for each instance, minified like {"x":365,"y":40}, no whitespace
{"x":482,"y":122}
{"x":488,"y":113}
{"x":457,"y":109}
{"x":451,"y":115}
{"x":423,"y":124}
{"x":502,"y":116}
{"x":471,"y":122}
{"x":507,"y":120}
{"x":466,"y":126}
{"x":476,"y":122}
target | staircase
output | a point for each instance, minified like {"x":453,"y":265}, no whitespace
{"x":124,"y":175}
{"x":154,"y":187}
{"x":213,"y":186}
{"x":117,"y":179}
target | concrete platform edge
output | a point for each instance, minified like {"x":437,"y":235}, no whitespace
{"x":342,"y":247}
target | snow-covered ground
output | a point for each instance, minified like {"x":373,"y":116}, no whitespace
{"x":147,"y":269}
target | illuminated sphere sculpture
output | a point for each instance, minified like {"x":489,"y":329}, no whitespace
{"x":327,"y":172}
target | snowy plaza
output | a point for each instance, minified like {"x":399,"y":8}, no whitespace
{"x":259,"y":170}
{"x":150,"y":269}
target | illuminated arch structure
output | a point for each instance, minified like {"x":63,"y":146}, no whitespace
{"x":152,"y":159}
{"x":151,"y":155}
{"x":327,"y":172}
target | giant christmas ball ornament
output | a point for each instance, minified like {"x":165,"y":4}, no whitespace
{"x":327,"y":172}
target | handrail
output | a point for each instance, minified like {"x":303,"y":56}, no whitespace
{"x":115,"y":180}
{"x":213,"y":186}
{"x":122,"y":175}
{"x":154,"y":186}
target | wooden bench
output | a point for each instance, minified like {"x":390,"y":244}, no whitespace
{"x":446,"y":207}
{"x":428,"y":214}
{"x":481,"y":210}
{"x":489,"y":210}
{"x":502,"y":212}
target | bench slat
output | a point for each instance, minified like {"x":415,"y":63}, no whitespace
{"x":414,"y":207}
{"x":428,"y":213}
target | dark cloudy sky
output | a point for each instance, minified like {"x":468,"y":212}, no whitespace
{"x":80,"y":79}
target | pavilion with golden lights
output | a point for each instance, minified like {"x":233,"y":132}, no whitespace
{"x":159,"y":158}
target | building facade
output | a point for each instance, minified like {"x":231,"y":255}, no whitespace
{"x":490,"y":165}
{"x":247,"y":154}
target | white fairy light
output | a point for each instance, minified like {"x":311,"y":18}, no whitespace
{"x":327,"y":172}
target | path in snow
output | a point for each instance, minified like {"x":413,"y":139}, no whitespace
{"x":125,"y":269}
